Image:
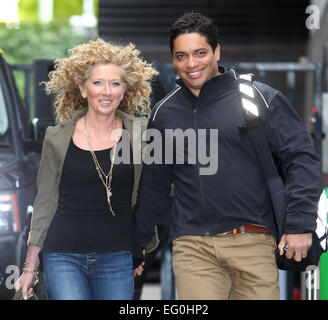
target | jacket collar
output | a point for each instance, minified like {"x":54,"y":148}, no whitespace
{"x":77,"y":114}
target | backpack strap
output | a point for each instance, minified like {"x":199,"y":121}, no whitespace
{"x":255,"y":130}
{"x":254,"y":101}
{"x":247,"y":76}
{"x":249,"y":103}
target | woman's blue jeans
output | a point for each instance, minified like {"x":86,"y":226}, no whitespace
{"x":91,"y":276}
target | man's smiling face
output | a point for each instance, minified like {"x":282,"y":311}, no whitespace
{"x":194,"y":60}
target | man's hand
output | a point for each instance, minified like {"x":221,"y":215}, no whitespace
{"x":138,"y":270}
{"x":297,"y":245}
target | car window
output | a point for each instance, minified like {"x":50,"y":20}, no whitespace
{"x":3,"y":114}
{"x":4,"y":122}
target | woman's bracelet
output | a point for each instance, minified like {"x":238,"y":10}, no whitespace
{"x":34,"y":272}
{"x":26,"y":264}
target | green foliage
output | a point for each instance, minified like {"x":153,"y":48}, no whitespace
{"x":28,"y":10}
{"x":35,"y":41}
{"x":65,"y":9}
{"x":41,"y":41}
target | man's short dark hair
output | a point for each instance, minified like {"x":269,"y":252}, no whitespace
{"x":193,"y":22}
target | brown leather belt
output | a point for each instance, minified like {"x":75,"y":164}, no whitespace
{"x":248,"y":228}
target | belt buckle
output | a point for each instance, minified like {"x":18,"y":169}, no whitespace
{"x":240,"y":229}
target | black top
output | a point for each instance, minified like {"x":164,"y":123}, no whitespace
{"x":83,"y":222}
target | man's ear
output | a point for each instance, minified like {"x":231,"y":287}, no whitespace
{"x":172,"y":58}
{"x":217,"y":52}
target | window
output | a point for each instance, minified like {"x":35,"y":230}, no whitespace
{"x":3,"y":115}
{"x":4,"y":121}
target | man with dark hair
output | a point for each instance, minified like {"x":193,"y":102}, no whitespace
{"x":223,"y":228}
{"x":194,"y":23}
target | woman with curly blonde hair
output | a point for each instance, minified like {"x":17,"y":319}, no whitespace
{"x":82,"y":218}
{"x":73,"y":71}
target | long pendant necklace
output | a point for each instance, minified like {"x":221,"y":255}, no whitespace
{"x":105,"y":179}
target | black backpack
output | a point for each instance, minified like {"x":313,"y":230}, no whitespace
{"x":254,"y":128}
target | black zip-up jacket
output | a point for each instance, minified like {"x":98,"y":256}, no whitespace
{"x":236,"y":193}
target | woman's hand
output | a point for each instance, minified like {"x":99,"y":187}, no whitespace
{"x":25,"y":282}
{"x":29,"y":277}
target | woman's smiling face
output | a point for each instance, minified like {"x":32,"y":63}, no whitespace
{"x":104,"y":89}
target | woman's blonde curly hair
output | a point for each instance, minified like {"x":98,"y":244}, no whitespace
{"x":74,"y":70}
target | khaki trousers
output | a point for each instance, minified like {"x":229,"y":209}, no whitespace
{"x":226,"y":266}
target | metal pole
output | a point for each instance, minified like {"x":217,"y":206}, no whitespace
{"x":27,"y":98}
{"x":316,"y":284}
{"x":311,"y":283}
{"x":262,"y":75}
{"x":283,"y":284}
{"x":291,"y":83}
{"x":318,"y":106}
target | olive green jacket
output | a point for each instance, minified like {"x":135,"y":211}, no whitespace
{"x":54,"y":150}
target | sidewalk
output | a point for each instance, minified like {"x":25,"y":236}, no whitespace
{"x":151,"y":291}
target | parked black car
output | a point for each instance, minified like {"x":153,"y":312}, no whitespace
{"x":19,"y":162}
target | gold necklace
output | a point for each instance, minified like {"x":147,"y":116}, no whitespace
{"x":105,"y":179}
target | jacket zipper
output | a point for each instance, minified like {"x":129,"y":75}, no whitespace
{"x":198,"y":173}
